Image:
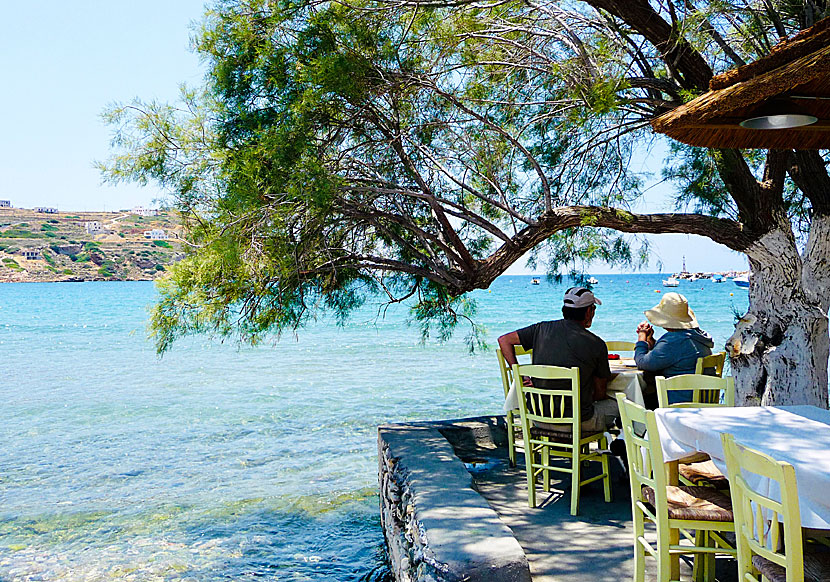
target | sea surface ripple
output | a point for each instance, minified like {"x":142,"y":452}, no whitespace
{"x":217,"y":462}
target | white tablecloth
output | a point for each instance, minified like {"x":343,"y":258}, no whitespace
{"x":629,"y":383}
{"x":799,"y":435}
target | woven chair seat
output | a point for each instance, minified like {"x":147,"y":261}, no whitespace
{"x":558,"y":436}
{"x":816,"y":568}
{"x":705,"y":474}
{"x":694,"y":503}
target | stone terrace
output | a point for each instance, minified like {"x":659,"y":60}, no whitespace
{"x":595,"y":545}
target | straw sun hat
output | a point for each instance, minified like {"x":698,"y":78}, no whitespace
{"x":673,"y":312}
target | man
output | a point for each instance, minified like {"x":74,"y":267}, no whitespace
{"x":568,"y":343}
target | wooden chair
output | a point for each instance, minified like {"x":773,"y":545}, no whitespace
{"x":674,"y":510}
{"x":512,"y":418}
{"x":705,"y":390}
{"x":768,"y":532}
{"x":560,"y":408}
{"x":715,"y":361}
{"x":615,"y":346}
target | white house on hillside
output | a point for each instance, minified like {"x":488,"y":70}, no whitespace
{"x":93,"y":227}
{"x":5,"y":203}
{"x":31,"y":255}
{"x":46,"y":209}
{"x":156,"y":234}
{"x":141,"y":211}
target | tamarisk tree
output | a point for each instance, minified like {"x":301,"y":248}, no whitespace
{"x":418,"y":148}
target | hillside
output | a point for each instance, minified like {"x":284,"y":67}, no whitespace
{"x":39,"y":246}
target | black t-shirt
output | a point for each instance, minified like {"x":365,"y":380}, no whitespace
{"x":567,"y":344}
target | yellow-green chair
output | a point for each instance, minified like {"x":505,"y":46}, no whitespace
{"x":705,"y":390}
{"x":561,"y":436}
{"x":513,"y":420}
{"x":715,"y":361}
{"x":674,"y":510}
{"x":768,"y":532}
{"x":615,"y":346}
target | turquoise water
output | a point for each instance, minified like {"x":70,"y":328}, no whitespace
{"x":219,"y":463}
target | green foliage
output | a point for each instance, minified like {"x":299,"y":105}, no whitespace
{"x":48,"y":227}
{"x":47,"y":256}
{"x":162,"y":243}
{"x":19,"y":233}
{"x":12,"y":264}
{"x":345,"y":152}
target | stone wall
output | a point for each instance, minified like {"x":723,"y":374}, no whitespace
{"x":437,"y":528}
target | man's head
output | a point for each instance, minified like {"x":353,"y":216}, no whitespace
{"x":580,"y":305}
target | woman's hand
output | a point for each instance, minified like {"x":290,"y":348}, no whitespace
{"x":645,"y":333}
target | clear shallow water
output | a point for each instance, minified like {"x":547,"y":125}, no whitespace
{"x":219,"y":463}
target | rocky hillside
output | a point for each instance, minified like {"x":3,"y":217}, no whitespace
{"x":65,"y":246}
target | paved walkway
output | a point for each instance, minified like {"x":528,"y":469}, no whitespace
{"x":596,"y":545}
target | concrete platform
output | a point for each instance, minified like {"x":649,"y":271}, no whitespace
{"x":596,"y":545}
{"x":495,"y":535}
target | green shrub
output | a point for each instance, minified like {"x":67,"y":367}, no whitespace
{"x":160,"y":268}
{"x":48,"y":227}
{"x":162,"y":243}
{"x":18,"y":233}
{"x":12,"y":264}
{"x":53,"y":221}
{"x":92,"y":246}
{"x":47,"y":256}
{"x":67,"y":271}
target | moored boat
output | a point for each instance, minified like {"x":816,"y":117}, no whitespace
{"x":742,"y":281}
{"x":671,"y":282}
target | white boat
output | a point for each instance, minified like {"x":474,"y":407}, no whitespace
{"x":742,"y":281}
{"x":592,"y":281}
{"x":717,"y":279}
{"x":534,"y":281}
{"x":670,"y":282}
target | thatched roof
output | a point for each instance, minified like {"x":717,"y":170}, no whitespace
{"x":797,"y":71}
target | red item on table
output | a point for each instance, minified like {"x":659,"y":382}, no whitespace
{"x":613,"y":356}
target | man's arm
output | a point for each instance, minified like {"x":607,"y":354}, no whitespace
{"x":506,"y":343}
{"x":600,"y":388}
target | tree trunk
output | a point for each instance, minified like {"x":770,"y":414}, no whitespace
{"x":780,"y":348}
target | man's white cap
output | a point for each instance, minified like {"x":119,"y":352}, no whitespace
{"x":578,"y":297}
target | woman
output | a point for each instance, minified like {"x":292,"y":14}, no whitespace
{"x":677,"y":350}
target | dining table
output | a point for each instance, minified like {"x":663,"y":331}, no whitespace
{"x":798,"y":435}
{"x":626,"y":379}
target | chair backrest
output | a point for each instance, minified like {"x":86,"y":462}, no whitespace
{"x":550,"y":405}
{"x":615,"y":346}
{"x":705,"y":390}
{"x":715,"y":361}
{"x":505,"y":370}
{"x":645,"y":454}
{"x":764,"y":526}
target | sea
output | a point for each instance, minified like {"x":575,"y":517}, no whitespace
{"x":223,"y":462}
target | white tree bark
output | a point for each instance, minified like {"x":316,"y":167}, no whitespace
{"x":780,"y":348}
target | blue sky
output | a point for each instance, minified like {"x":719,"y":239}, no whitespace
{"x":65,"y":62}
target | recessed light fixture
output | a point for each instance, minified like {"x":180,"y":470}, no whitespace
{"x":779,"y":114}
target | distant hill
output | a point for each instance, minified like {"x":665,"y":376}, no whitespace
{"x":91,"y":246}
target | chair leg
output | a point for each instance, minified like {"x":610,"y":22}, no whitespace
{"x":639,"y":550}
{"x":576,"y":471}
{"x":531,"y":479}
{"x":546,"y":462}
{"x":606,"y":481}
{"x":511,"y":439}
{"x":699,"y":569}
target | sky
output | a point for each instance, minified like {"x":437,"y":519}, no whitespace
{"x":64,"y":62}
